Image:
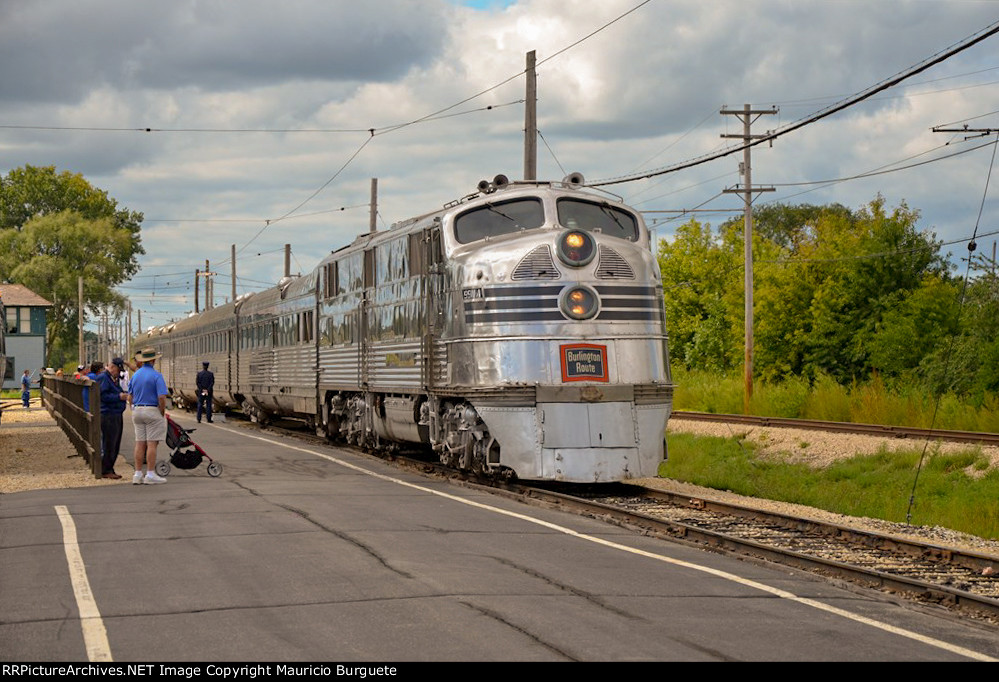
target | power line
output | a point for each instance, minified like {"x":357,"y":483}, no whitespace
{"x":824,"y":113}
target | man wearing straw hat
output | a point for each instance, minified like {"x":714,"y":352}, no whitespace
{"x":148,"y":392}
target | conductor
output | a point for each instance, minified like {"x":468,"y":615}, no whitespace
{"x":206,"y":388}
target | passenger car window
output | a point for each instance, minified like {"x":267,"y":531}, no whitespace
{"x":501,"y":217}
{"x":592,"y":216}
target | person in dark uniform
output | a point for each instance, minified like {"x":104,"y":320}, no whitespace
{"x":206,"y":388}
{"x":114,"y":398}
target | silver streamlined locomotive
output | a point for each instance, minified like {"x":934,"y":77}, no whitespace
{"x":517,"y":331}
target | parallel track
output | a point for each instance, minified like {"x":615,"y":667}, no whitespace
{"x":981,"y":437}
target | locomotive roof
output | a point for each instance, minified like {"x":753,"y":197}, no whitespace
{"x":519,"y":188}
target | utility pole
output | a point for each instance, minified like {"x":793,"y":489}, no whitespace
{"x":748,"y":115}
{"x":372,"y":213}
{"x":287,"y":260}
{"x":209,"y":296}
{"x":232,"y":259}
{"x":531,"y":121}
{"x":79,"y":339}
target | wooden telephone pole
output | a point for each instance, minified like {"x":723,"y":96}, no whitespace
{"x":531,"y":121}
{"x":747,"y":115}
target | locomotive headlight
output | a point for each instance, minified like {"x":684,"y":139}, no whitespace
{"x":576,"y":248}
{"x":579,"y":303}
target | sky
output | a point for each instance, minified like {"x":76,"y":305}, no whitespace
{"x":259,"y":123}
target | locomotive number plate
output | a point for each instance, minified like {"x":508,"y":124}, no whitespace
{"x":583,"y":362}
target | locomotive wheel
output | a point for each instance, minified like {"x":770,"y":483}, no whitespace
{"x":215,"y":469}
{"x":163,"y":467}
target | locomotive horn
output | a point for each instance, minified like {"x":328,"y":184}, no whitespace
{"x":500,"y":181}
{"x":574,"y":180}
{"x":484,"y":186}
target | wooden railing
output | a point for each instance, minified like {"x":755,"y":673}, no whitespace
{"x":63,"y":398}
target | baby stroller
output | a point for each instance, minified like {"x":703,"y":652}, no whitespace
{"x":184,"y":453}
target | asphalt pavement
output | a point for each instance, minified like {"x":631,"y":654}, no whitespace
{"x":307,"y":553}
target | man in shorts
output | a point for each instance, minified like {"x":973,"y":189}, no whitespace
{"x":147,"y":390}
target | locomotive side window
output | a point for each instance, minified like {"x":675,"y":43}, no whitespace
{"x":501,"y":217}
{"x":597,"y":217}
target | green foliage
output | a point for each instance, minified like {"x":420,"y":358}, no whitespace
{"x":837,"y":292}
{"x":55,"y":227}
{"x":876,"y":486}
{"x":876,"y":401}
{"x":697,"y":276}
{"x":33,"y":191}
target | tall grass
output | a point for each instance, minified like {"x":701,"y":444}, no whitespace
{"x":876,"y":486}
{"x":873,"y":402}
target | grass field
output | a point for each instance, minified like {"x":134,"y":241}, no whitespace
{"x":956,"y":491}
{"x":873,"y":402}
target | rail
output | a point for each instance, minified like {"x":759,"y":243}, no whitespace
{"x":985,"y":438}
{"x":63,"y":397}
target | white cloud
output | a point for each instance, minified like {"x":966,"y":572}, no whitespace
{"x":644,"y":92}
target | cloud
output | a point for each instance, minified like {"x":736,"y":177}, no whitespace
{"x":59,"y":50}
{"x":641,"y":93}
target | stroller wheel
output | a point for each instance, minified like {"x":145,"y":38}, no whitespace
{"x":215,"y":469}
{"x":163,"y":467}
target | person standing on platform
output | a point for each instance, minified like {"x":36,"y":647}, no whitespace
{"x":148,"y":396}
{"x":96,"y":368}
{"x":26,"y":389}
{"x":113,"y":401}
{"x":206,"y":389}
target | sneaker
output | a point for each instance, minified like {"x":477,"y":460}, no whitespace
{"x":137,"y":478}
{"x":152,"y":479}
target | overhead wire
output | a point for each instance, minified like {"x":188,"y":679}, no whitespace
{"x":869,"y":92}
{"x":953,"y":337}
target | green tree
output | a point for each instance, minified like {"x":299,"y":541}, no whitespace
{"x":49,"y":253}
{"x":55,"y":227}
{"x":836,"y":292}
{"x":698,"y":271}
{"x":34,"y":191}
{"x":868,"y":265}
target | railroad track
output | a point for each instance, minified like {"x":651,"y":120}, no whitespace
{"x":981,"y":437}
{"x":921,"y":571}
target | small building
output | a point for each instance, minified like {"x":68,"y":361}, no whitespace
{"x":24,"y":332}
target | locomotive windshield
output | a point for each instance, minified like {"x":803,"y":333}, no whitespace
{"x":501,"y":217}
{"x":593,"y":216}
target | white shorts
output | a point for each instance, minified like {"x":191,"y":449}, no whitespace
{"x":149,"y":424}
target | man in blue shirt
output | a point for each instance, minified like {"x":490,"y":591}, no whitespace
{"x":113,"y":402}
{"x":148,"y":396}
{"x":26,"y":389}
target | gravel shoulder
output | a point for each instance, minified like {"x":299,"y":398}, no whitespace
{"x":36,"y":455}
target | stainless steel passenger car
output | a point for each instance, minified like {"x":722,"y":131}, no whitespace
{"x":517,"y":331}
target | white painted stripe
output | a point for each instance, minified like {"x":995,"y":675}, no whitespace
{"x":783,"y":594}
{"x":95,"y":637}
